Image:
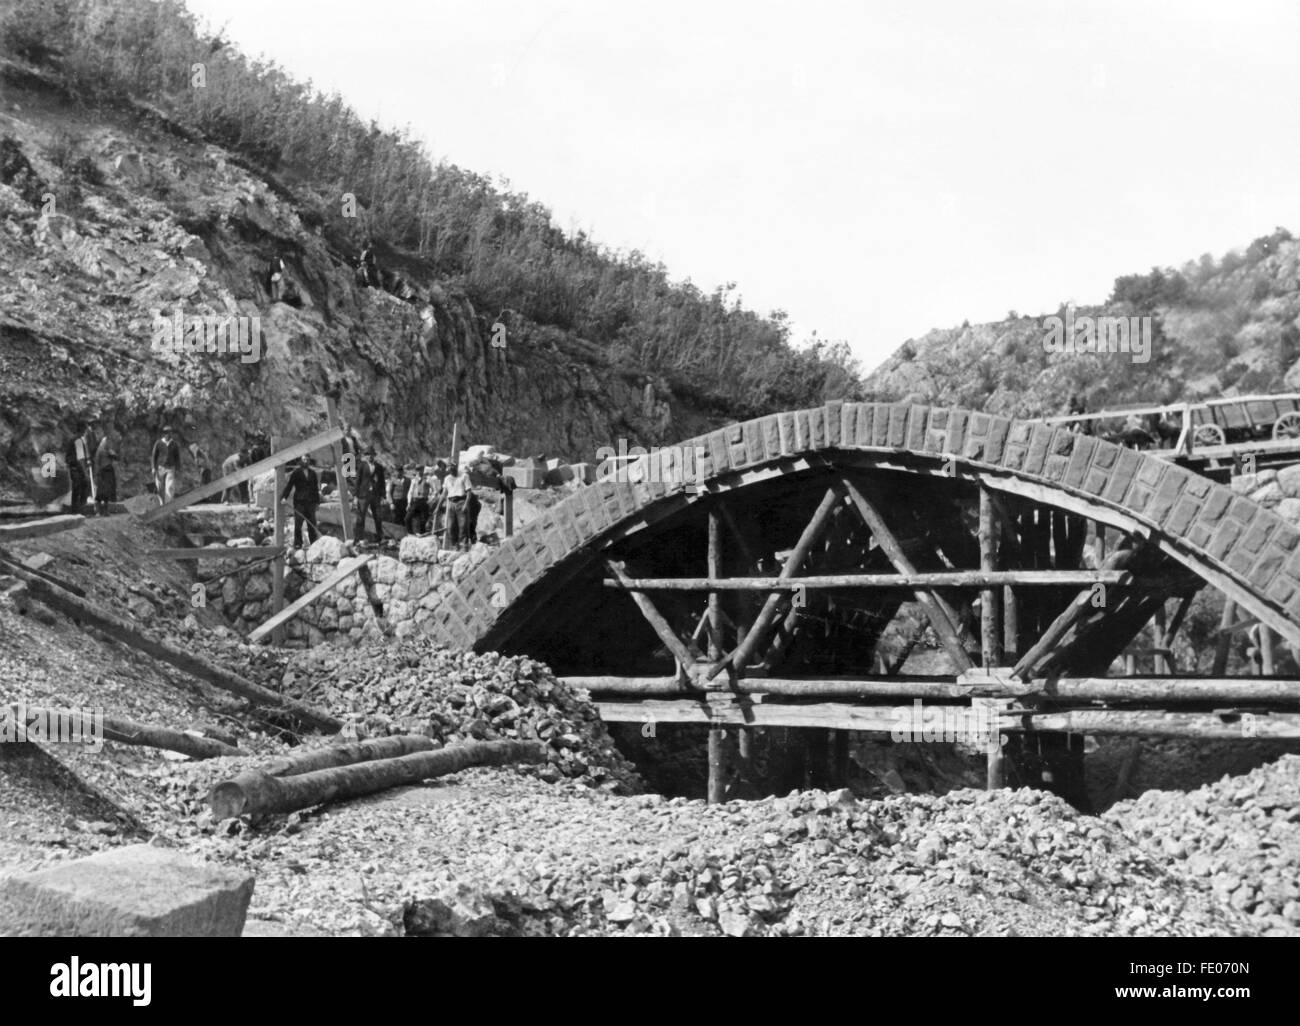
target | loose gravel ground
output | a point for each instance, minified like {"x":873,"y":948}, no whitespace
{"x":489,"y":851}
{"x":571,"y":848}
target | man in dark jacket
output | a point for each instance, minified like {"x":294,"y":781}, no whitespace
{"x":166,"y":464}
{"x":304,"y":482}
{"x":372,"y":484}
{"x":397,"y":489}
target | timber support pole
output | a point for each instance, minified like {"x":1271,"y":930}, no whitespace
{"x":340,"y":466}
{"x":990,"y":622}
{"x":717,"y":791}
{"x":277,"y":565}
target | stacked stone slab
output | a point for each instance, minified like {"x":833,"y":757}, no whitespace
{"x":135,"y":891}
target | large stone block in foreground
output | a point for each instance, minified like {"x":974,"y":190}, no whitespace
{"x":135,"y":891}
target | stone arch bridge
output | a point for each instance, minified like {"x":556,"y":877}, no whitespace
{"x":778,"y":572}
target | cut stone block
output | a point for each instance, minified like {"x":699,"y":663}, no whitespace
{"x":135,"y":891}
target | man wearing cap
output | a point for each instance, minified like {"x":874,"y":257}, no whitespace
{"x":166,"y":464}
{"x":371,"y":486}
{"x":304,"y":482}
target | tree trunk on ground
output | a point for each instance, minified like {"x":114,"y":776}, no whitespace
{"x":334,"y":755}
{"x":263,"y":793}
{"x":124,"y":732}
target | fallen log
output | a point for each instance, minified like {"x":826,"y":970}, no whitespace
{"x":118,"y":629}
{"x":262,"y":793}
{"x":330,"y":756}
{"x":75,"y":726}
{"x":128,"y":733}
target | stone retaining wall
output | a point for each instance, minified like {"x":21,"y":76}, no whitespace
{"x":409,"y":587}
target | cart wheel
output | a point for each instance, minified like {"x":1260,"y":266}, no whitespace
{"x":1209,"y":434}
{"x":1287,"y":425}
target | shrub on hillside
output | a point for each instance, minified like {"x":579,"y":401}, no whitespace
{"x":503,"y":246}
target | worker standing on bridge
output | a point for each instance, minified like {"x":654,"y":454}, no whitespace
{"x":456,"y":487}
{"x":304,"y":482}
{"x":469,"y":536}
{"x":398,"y":488}
{"x":417,"y":503}
{"x":371,"y":487}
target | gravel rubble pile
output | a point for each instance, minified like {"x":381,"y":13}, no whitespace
{"x":1237,"y":840}
{"x":496,"y":852}
{"x":419,"y":687}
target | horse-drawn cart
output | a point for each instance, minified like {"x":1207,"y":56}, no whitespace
{"x":1186,"y":427}
{"x":1246,"y":419}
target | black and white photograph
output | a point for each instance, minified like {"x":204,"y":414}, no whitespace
{"x":689,"y":470}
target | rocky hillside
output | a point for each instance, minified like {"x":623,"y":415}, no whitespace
{"x":1218,"y":328}
{"x":109,"y":220}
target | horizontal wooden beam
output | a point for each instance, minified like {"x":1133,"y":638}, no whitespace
{"x":40,"y":528}
{"x":1226,"y":726}
{"x":877,"y":718}
{"x":219,"y":552}
{"x":685,"y":654}
{"x":945,"y":579}
{"x":1149,"y":690}
{"x":276,"y":459}
{"x":345,"y":569}
{"x":1262,"y":447}
{"x":886,"y":719}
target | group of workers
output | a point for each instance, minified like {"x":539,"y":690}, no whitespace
{"x":92,"y":466}
{"x":415,"y":501}
{"x":422,"y":498}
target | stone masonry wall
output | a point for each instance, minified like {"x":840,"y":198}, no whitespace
{"x":408,"y":588}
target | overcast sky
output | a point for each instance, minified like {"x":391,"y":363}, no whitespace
{"x":876,"y":169}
